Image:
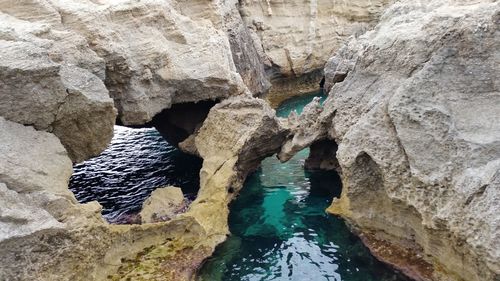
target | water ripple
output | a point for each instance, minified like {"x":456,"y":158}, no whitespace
{"x":136,"y":162}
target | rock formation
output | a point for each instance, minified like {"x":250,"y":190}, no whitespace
{"x":231,"y":142}
{"x":418,"y":144}
{"x":65,"y":66}
{"x":297,"y":37}
{"x":414,"y":120}
{"x":46,"y":235}
{"x":162,"y":205}
{"x":67,"y":100}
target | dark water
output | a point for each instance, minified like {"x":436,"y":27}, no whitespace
{"x":136,"y":162}
{"x":280,"y":230}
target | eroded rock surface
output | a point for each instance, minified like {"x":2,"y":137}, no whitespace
{"x":414,"y":119}
{"x":418,"y":146}
{"x":237,"y":134}
{"x":298,"y":37}
{"x":46,"y":235}
{"x":67,"y":100}
{"x":163,"y":204}
{"x":65,"y":66}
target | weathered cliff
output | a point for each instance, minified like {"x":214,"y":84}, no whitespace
{"x":414,"y":119}
{"x":296,"y":38}
{"x":418,"y":141}
{"x":46,"y":235}
{"x":65,"y":66}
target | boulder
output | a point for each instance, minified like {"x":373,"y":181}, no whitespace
{"x":163,"y":204}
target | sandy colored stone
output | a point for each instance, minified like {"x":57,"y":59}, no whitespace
{"x":67,"y":100}
{"x":162,"y":204}
{"x":78,"y":245}
{"x":414,"y":120}
{"x":298,"y":37}
{"x":417,"y":145}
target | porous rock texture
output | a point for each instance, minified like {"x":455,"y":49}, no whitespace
{"x":64,"y":67}
{"x":46,"y":235}
{"x":64,"y":99}
{"x":297,"y":37}
{"x":415,"y":121}
{"x":163,"y":204}
{"x":61,"y":62}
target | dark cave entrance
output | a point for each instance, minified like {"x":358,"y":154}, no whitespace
{"x":181,"y":120}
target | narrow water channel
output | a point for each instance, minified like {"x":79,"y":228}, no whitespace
{"x":279,"y":227}
{"x":280,"y":230}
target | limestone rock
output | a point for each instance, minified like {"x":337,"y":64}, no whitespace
{"x":236,"y":135}
{"x":242,"y":127}
{"x":150,"y":54}
{"x":69,"y":101}
{"x":78,"y":245}
{"x":248,"y":57}
{"x":157,"y":53}
{"x":298,"y":37}
{"x":35,"y":168}
{"x":162,"y":204}
{"x":305,"y":129}
{"x":61,"y":61}
{"x":19,"y":217}
{"x":33,"y":161}
{"x":418,"y":146}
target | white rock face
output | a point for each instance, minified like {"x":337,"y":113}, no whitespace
{"x":57,"y":57}
{"x":33,"y":161}
{"x":415,"y":120}
{"x":34,"y":173}
{"x":162,"y":204}
{"x":299,"y":36}
{"x":418,"y":141}
{"x":238,"y":133}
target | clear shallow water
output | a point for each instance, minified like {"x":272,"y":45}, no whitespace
{"x":280,"y":230}
{"x":136,"y":162}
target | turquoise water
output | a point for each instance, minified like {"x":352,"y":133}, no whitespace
{"x":280,"y":230}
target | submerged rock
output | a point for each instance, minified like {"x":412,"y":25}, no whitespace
{"x":163,"y":204}
{"x":417,"y":145}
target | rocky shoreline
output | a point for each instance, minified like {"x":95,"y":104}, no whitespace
{"x":412,"y":107}
{"x":417,"y":151}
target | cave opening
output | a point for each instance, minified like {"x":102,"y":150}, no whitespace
{"x":141,"y":159}
{"x":181,"y":120}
